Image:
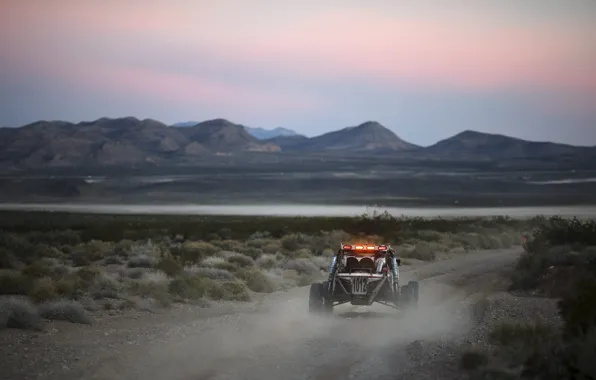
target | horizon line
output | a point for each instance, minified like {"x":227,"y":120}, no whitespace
{"x":291,"y":129}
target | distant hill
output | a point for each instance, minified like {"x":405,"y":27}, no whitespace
{"x":470,"y":144}
{"x":265,"y":134}
{"x":369,"y":136}
{"x":130,"y":142}
{"x":185,"y":124}
{"x":121,"y":141}
{"x":259,"y":133}
{"x":224,"y":136}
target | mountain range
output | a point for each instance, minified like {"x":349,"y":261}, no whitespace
{"x":131,"y":141}
{"x":259,"y":133}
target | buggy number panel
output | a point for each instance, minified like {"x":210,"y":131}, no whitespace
{"x":359,"y":285}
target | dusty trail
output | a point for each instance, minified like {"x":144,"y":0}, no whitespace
{"x":275,"y":339}
{"x":281,"y":340}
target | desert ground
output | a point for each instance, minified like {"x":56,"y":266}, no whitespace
{"x":225,"y":297}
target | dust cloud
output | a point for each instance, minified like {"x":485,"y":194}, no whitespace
{"x":283,"y":340}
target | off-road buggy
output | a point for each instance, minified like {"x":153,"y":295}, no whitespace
{"x":361,"y":275}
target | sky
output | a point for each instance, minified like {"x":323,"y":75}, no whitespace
{"x":425,"y":69}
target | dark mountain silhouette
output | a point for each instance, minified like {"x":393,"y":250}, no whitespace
{"x":121,"y":141}
{"x":469,"y":144}
{"x":368,"y":136}
{"x":259,"y":133}
{"x":130,"y":142}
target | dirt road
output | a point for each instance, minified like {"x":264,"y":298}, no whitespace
{"x":274,"y":338}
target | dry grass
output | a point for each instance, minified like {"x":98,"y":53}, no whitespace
{"x":114,"y":263}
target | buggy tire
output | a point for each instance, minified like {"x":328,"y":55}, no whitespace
{"x":316,"y":299}
{"x":411,"y":294}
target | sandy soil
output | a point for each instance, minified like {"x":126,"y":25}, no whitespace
{"x":274,"y":337}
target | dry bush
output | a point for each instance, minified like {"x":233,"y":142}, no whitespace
{"x":37,"y":269}
{"x":189,"y":287}
{"x":229,"y":245}
{"x":256,"y":280}
{"x":169,"y":266}
{"x":104,"y":286}
{"x":227,"y":291}
{"x":211,"y":273}
{"x":19,"y":314}
{"x":155,"y":290}
{"x":43,"y":289}
{"x":8,"y":260}
{"x":236,"y":291}
{"x":141,"y":261}
{"x":65,"y":310}
{"x":295,"y":241}
{"x":14,"y":283}
{"x":241,"y":260}
{"x":266,"y":261}
{"x":193,"y":252}
{"x":90,"y":252}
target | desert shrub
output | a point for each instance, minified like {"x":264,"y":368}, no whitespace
{"x":256,"y":280}
{"x":192,"y":252}
{"x":134,"y":273}
{"x":55,"y":237}
{"x":253,"y":252}
{"x":259,"y":235}
{"x":260,"y":242}
{"x":19,"y":314}
{"x":578,"y":307}
{"x":189,"y":287}
{"x":104,"y":287}
{"x":333,"y":239}
{"x":43,"y":289}
{"x":37,"y":269}
{"x":19,"y":246}
{"x":113,"y":260}
{"x":65,"y":310}
{"x":558,"y":243}
{"x":292,"y":276}
{"x":123,"y":248}
{"x":141,"y":261}
{"x":66,"y":287}
{"x":169,"y":266}
{"x":522,"y":334}
{"x":229,"y":245}
{"x":266,"y":261}
{"x":226,"y":266}
{"x":422,"y":251}
{"x":241,"y":260}
{"x":211,"y":273}
{"x":148,"y":248}
{"x":236,"y":291}
{"x":8,"y":260}
{"x":87,"y":274}
{"x":92,"y":251}
{"x":295,"y":241}
{"x":429,"y":235}
{"x":157,"y":291}
{"x":569,"y":359}
{"x":303,"y":267}
{"x":12,"y":283}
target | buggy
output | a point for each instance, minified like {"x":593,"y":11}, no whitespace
{"x":361,"y":275}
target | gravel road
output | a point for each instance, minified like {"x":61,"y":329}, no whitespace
{"x":273,"y":338}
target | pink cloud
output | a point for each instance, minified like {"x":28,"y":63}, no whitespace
{"x":462,"y":52}
{"x":172,"y":88}
{"x":345,"y":44}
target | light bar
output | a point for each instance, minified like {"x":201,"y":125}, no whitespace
{"x":348,"y":247}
